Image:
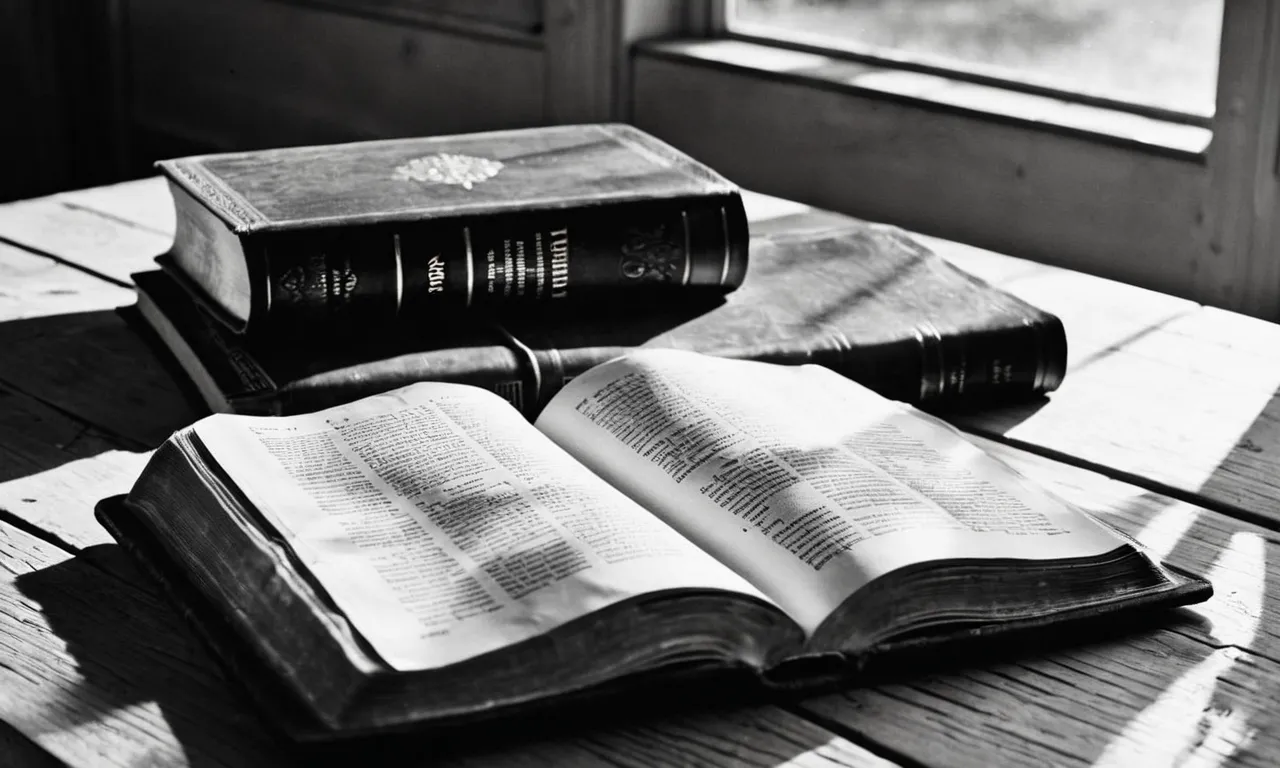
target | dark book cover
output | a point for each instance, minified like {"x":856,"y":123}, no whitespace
{"x":233,"y":375}
{"x":864,"y":300}
{"x":366,"y":236}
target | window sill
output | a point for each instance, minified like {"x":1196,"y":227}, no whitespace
{"x":942,"y":94}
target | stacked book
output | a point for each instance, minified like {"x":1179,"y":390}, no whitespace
{"x":515,"y":428}
{"x":309,"y":277}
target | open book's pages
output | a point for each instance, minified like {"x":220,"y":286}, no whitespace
{"x":427,"y":554}
{"x":864,"y":519}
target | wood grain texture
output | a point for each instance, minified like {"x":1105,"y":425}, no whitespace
{"x":581,"y":60}
{"x":93,"y":365}
{"x":1158,"y":699}
{"x":103,"y":666}
{"x":976,"y":180}
{"x":1189,"y":406}
{"x":1179,"y":396}
{"x":36,"y":286}
{"x":760,"y":737}
{"x":1242,"y":198}
{"x":62,"y":343}
{"x":1203,"y":690}
{"x":1098,"y":314}
{"x":144,"y":203}
{"x":1241,"y":559}
{"x":586,"y":50}
{"x":1160,"y":390}
{"x":54,"y":468}
{"x":1101,"y":316}
{"x":480,"y":17}
{"x":247,"y":74}
{"x":1209,"y":432}
{"x":768,"y":215}
{"x":939,"y":731}
{"x":92,"y":242}
{"x":150,"y":695}
{"x":99,"y":671}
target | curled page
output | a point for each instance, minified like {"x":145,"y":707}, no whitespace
{"x":806,"y":483}
{"x":444,"y":526}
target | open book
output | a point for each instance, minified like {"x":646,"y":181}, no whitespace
{"x":429,"y":555}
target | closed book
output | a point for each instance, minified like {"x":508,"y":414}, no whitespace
{"x":864,"y":300}
{"x":428,"y":557}
{"x":356,"y":238}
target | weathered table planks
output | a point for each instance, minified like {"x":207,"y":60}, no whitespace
{"x":1163,"y":427}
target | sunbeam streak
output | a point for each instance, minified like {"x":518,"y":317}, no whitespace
{"x":1163,"y":532}
{"x":1182,"y":727}
{"x":1239,"y":584}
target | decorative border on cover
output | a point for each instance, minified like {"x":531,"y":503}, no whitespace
{"x":212,"y":191}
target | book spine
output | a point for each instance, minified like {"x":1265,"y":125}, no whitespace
{"x":409,"y":275}
{"x":283,"y":708}
{"x":1005,"y":364}
{"x":490,"y":366}
{"x":962,"y":368}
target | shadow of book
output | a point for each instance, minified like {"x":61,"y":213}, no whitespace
{"x":93,"y":365}
{"x":865,"y":301}
{"x":640,"y":701}
{"x":131,"y":650}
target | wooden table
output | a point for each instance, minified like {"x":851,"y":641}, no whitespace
{"x":1166,"y":425}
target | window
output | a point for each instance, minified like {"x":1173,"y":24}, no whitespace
{"x":1162,"y":54}
{"x":1088,"y":148}
{"x":1134,"y":139}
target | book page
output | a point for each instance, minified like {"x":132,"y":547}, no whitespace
{"x":444,"y":526}
{"x":806,"y":483}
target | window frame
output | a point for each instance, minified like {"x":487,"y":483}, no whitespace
{"x":1198,"y":223}
{"x":1152,"y":199}
{"x":955,"y":69}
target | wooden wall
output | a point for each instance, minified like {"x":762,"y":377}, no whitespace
{"x":253,"y":73}
{"x":57,"y":129}
{"x":105,"y":87}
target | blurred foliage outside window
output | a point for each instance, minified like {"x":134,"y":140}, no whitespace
{"x":1160,"y":53}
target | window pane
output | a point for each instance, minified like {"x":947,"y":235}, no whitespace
{"x":1161,"y":53}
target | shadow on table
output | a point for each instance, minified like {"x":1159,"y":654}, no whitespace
{"x":1145,"y":679}
{"x":83,"y":400}
{"x":94,"y":367}
{"x":1187,"y":407}
{"x":1195,"y":686}
{"x":131,"y":650}
{"x":1186,"y":692}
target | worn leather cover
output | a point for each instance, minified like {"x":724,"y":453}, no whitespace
{"x":359,"y":238}
{"x":412,"y":179}
{"x":662,"y":690}
{"x":864,"y":300}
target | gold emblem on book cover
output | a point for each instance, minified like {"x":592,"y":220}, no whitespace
{"x":447,"y":168}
